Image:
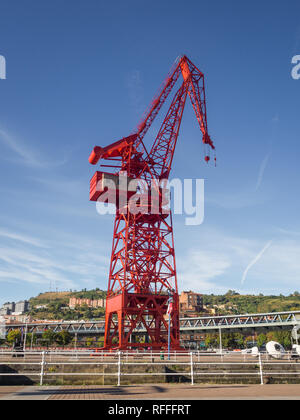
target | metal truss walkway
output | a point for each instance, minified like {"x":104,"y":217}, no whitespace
{"x":228,"y":323}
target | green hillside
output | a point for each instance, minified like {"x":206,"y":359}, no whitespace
{"x":234,"y":303}
{"x":54,"y":305}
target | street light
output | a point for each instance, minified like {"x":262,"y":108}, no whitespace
{"x":31,"y":343}
{"x":220,"y":341}
{"x":169,"y":311}
{"x":25,"y":336}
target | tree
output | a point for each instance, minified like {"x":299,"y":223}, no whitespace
{"x":100,"y":342}
{"x":31,"y":338}
{"x":48,"y":337}
{"x":13,"y":336}
{"x":270,"y":336}
{"x":63,"y":338}
{"x":283,"y":338}
{"x":248,"y":341}
{"x":89,"y":341}
{"x":261,"y":340}
{"x":232,"y":293}
{"x":211,"y":340}
{"x":287,"y":344}
{"x":88,"y":313}
{"x":239,"y":340}
{"x":231,"y":340}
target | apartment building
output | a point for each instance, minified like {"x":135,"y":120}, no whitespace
{"x":91,"y":303}
{"x":190,"y":303}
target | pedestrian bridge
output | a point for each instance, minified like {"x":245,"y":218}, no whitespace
{"x":206,"y":324}
{"x":267,"y":321}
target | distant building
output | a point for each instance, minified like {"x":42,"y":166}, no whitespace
{"x":91,"y":303}
{"x":9,"y":306}
{"x":192,"y":340}
{"x":13,"y":319}
{"x":4,"y":311}
{"x":41,"y":307}
{"x":21,"y":307}
{"x":190,"y":303}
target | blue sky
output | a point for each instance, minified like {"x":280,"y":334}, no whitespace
{"x":81,"y":73}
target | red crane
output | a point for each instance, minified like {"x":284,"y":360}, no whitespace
{"x":142,"y":275}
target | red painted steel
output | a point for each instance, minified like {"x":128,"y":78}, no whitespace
{"x":109,"y":188}
{"x":142,"y":273}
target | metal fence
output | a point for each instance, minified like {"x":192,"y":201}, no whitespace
{"x":192,"y":361}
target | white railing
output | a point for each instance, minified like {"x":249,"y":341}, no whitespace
{"x":130,"y":358}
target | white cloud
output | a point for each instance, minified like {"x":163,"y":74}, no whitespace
{"x":281,"y":265}
{"x":214,"y":261}
{"x":198,"y":269}
{"x":65,"y":264}
{"x":234,"y":200}
{"x":24,"y":153}
{"x":21,"y":238}
{"x":288,"y":232}
{"x":210,"y":262}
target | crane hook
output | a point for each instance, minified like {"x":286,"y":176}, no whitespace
{"x":207,"y":159}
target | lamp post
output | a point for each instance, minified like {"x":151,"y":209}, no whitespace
{"x":220,"y":340}
{"x":170,"y":308}
{"x":25,"y":336}
{"x":31,"y":343}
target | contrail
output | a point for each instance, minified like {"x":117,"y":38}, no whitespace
{"x":254,"y":261}
{"x":261,"y":171}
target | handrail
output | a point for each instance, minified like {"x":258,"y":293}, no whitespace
{"x":191,"y":359}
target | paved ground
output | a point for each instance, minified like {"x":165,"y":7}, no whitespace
{"x":9,"y":390}
{"x":151,"y":392}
